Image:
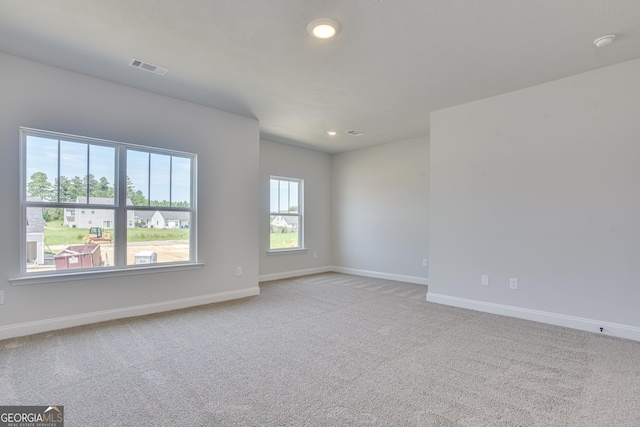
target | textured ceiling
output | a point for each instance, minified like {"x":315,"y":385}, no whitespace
{"x":394,"y":62}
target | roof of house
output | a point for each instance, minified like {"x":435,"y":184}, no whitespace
{"x":144,"y":215}
{"x":175,"y":215}
{"x":289,"y":219}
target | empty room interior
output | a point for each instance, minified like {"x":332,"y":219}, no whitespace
{"x":364,"y":212}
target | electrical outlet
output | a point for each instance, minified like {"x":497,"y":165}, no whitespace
{"x":1,"y":297}
{"x":238,"y":271}
{"x":513,"y":283}
{"x":425,"y":262}
{"x":484,"y":280}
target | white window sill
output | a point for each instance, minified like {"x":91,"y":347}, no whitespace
{"x":37,"y":279}
{"x":286,"y":251}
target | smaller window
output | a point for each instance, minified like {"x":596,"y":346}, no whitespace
{"x":286,"y":209}
{"x":82,"y":211}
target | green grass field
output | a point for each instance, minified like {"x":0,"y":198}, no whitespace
{"x":56,"y":234}
{"x":284,"y":240}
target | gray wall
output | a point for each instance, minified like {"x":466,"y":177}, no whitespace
{"x":315,"y":168}
{"x":380,"y":198}
{"x":541,"y":184}
{"x":38,"y":96}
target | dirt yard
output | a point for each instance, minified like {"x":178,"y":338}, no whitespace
{"x":166,"y":250}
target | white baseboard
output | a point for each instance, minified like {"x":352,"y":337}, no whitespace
{"x":293,"y":273}
{"x":29,"y":328}
{"x":344,"y":270}
{"x":380,"y":275}
{"x":590,"y":325}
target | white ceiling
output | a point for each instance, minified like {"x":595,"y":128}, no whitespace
{"x":394,"y":62}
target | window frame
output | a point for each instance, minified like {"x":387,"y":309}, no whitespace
{"x":120,"y":209}
{"x":300,"y":214}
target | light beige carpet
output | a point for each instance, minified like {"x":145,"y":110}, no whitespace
{"x":326,"y":350}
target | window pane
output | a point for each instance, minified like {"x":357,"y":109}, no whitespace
{"x":160,"y":178}
{"x":293,"y":196}
{"x":283,"y":204}
{"x":137,"y":178}
{"x":273,"y":195}
{"x":81,"y":241}
{"x":181,"y":182}
{"x":102,"y":173}
{"x":42,"y":167}
{"x":158,"y":237}
{"x":284,"y":232}
{"x":73,"y":171}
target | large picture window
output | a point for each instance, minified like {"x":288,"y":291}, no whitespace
{"x":92,"y":204}
{"x":286,"y":224}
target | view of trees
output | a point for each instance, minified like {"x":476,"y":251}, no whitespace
{"x":72,"y":188}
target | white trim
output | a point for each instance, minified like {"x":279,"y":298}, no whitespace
{"x":286,"y":251}
{"x":380,"y":275}
{"x":583,"y":324}
{"x":38,"y":326}
{"x":344,"y":270}
{"x":294,"y":273}
{"x":91,"y":274}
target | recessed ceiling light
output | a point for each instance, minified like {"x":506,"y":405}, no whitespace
{"x":323,"y":28}
{"x":604,"y":40}
{"x":331,"y":132}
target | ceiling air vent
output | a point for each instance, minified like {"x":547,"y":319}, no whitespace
{"x":355,"y":133}
{"x":148,"y":67}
